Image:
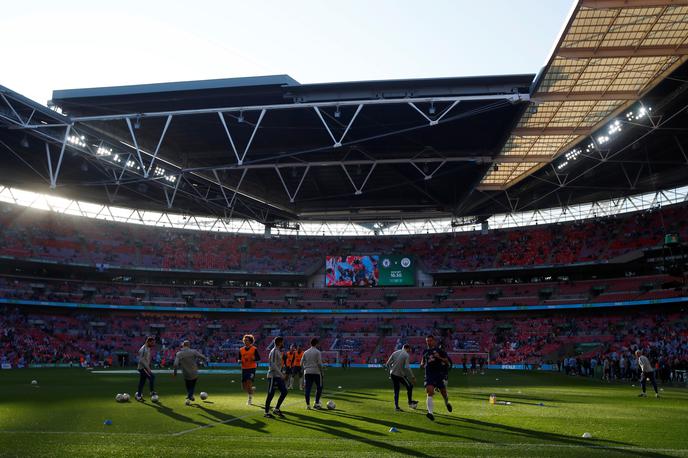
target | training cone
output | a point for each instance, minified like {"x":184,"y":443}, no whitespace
{"x":393,"y":429}
{"x":107,"y":422}
{"x":587,"y":435}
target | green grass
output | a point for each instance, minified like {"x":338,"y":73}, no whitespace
{"x":64,"y":414}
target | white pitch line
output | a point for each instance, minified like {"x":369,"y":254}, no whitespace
{"x":85,"y":433}
{"x":458,"y":444}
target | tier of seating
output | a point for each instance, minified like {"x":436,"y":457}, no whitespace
{"x":67,"y":239}
{"x":477,"y":295}
{"x":30,"y":335}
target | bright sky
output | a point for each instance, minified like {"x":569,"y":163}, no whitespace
{"x":76,"y":44}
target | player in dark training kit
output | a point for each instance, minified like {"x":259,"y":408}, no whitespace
{"x":436,"y":364}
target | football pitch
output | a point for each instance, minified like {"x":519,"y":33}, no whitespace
{"x":64,"y":415}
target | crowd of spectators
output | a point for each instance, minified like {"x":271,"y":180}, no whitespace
{"x":581,"y":343}
{"x":31,"y":233}
{"x":475,"y":295}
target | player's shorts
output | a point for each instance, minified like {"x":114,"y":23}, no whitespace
{"x":436,"y":380}
{"x":297,"y":370}
{"x":276,"y":383}
{"x":248,"y":374}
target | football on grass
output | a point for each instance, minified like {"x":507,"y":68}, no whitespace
{"x":204,"y":395}
{"x":331,"y":405}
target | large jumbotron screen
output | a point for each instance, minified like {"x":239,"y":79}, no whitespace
{"x":351,"y":271}
{"x":382,"y":270}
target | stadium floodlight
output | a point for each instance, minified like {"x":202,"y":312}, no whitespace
{"x":159,"y":171}
{"x":171,"y":178}
{"x":77,"y":140}
{"x":639,"y":114}
{"x":103,"y":151}
{"x":614,"y":127}
{"x":130,"y":163}
{"x":573,"y":154}
{"x":602,"y":139}
{"x":562,"y":165}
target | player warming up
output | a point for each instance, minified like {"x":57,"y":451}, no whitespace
{"x":297,"y":370}
{"x":646,"y":372}
{"x":313,"y":373}
{"x":145,"y":370}
{"x":249,"y":357}
{"x":400,"y":373}
{"x":289,"y":357}
{"x":435,"y":361}
{"x":187,"y":358}
{"x":276,"y":379}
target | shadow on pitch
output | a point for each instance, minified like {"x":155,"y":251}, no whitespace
{"x":161,"y":408}
{"x":547,"y":437}
{"x":406,"y":427}
{"x":342,"y":430}
{"x":220,"y":418}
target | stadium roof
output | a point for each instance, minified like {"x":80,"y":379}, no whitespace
{"x":601,"y":120}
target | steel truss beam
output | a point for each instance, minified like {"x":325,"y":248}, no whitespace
{"x":263,"y":110}
{"x":358,"y":190}
{"x":107,"y":165}
{"x":567,"y":183}
{"x":404,"y":160}
{"x":240,"y":159}
{"x":338,"y":143}
{"x":512,"y":97}
{"x":286,"y":188}
{"x":146,"y":165}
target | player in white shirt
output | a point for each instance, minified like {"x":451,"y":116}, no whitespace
{"x":144,"y":368}
{"x":400,"y":373}
{"x":187,"y":358}
{"x":276,"y":378}
{"x":312,"y":365}
{"x":647,"y":372}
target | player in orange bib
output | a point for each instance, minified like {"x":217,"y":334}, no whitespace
{"x":248,"y":357}
{"x":289,"y":358}
{"x":297,"y":371}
